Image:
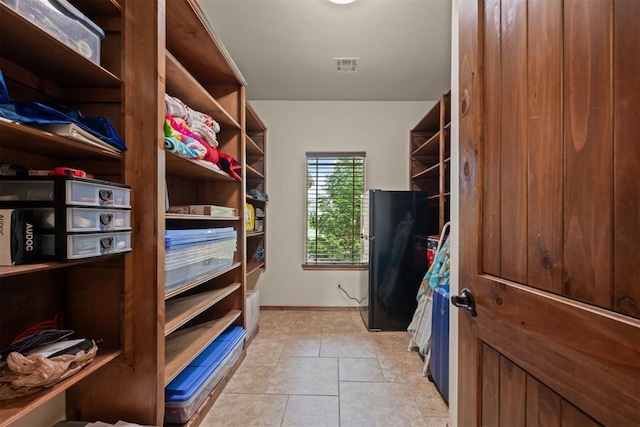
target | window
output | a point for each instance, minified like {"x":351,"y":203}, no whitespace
{"x":335,"y":182}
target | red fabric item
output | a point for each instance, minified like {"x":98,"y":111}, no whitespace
{"x":229,"y":165}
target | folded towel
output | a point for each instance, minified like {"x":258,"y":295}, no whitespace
{"x":196,"y":117}
{"x":206,"y":133}
{"x":174,"y":107}
{"x":176,"y":146}
{"x":176,"y":130}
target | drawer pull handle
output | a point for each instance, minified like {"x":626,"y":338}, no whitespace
{"x":106,"y":219}
{"x":106,"y":243}
{"x":106,"y":195}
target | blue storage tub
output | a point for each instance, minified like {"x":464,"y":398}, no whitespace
{"x":185,"y":394}
{"x":439,"y":362}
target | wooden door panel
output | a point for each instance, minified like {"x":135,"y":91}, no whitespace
{"x":490,"y":386}
{"x":545,"y":149}
{"x":588,"y":213}
{"x":519,"y":399}
{"x":513,"y":146}
{"x":543,"y":405}
{"x":579,"y":361}
{"x":491,"y":187}
{"x":627,"y":157}
{"x":512,"y":394}
{"x":585,"y":354}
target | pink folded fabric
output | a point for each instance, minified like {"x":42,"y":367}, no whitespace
{"x":211,"y":152}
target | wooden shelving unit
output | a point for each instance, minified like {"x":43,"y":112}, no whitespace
{"x":150,"y":333}
{"x":255,"y":152}
{"x":87,"y":294}
{"x":430,"y":146}
{"x":12,"y":410}
{"x":183,"y":346}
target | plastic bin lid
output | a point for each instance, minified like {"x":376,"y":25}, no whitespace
{"x":227,"y":339}
{"x":192,"y":377}
{"x":174,"y":238}
{"x":67,"y":9}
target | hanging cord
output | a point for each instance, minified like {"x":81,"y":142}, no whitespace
{"x":47,"y":324}
{"x":359,"y":301}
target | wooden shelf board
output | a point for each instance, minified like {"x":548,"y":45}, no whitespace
{"x":447,"y":160}
{"x":255,"y":233}
{"x":252,"y":173}
{"x":433,"y":170}
{"x":199,"y":282}
{"x":181,"y":310}
{"x":254,"y":199}
{"x":181,"y":84}
{"x":254,"y":123}
{"x":189,"y":35}
{"x":429,"y":146}
{"x":253,"y":148}
{"x":54,"y":60}
{"x":15,"y":135}
{"x":102,"y":8}
{"x":199,"y":217}
{"x":183,"y":346}
{"x":252,"y":268}
{"x":447,"y":126}
{"x":16,"y":270}
{"x":177,"y":165}
{"x":13,"y":409}
{"x":431,"y":120}
{"x":434,"y":197}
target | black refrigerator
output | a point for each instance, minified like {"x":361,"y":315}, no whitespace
{"x":394,"y":230}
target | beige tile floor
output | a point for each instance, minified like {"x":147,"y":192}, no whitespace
{"x":323,"y":368}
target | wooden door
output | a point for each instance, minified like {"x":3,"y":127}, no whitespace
{"x":550,"y":212}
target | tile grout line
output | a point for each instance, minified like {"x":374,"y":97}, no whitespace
{"x":284,"y":410}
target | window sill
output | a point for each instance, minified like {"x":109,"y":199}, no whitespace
{"x":335,"y":266}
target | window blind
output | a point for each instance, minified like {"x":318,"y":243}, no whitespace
{"x":335,"y":182}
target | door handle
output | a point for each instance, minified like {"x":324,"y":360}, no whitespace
{"x":465,"y":300}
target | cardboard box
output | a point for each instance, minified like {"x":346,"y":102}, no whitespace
{"x":182,"y":210}
{"x":212,"y":210}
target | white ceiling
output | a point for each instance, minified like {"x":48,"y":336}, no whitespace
{"x":285,"y":49}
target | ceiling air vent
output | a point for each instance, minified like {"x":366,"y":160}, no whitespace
{"x":346,"y":65}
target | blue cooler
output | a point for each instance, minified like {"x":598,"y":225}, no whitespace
{"x":185,"y":394}
{"x":439,"y":361}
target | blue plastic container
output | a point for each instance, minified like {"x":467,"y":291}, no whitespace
{"x":439,"y":362}
{"x":185,"y":394}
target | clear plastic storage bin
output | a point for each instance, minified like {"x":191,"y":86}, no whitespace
{"x":64,"y":22}
{"x":87,"y":245}
{"x":187,"y":265}
{"x":79,"y":192}
{"x":93,"y":194}
{"x":188,"y":391}
{"x":78,"y":220}
{"x":193,"y":254}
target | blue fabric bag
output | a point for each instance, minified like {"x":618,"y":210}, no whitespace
{"x":34,"y":112}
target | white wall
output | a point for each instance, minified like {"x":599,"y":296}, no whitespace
{"x":381,"y":129}
{"x":455,"y":218}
